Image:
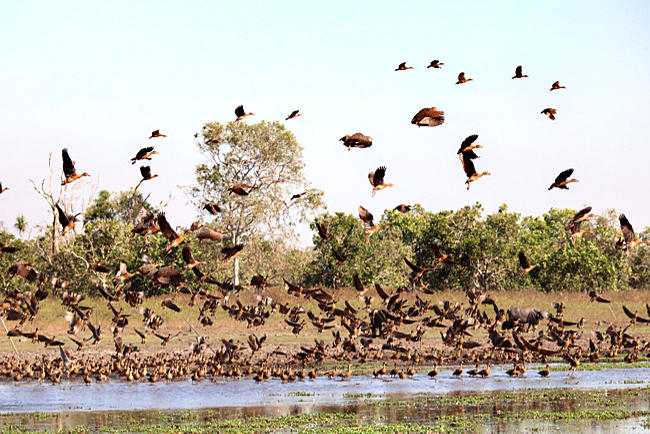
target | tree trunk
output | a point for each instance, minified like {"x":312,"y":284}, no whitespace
{"x":55,"y":245}
{"x":235,"y":264}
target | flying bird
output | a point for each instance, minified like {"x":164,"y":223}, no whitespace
{"x":156,"y":133}
{"x":241,"y":114}
{"x":402,"y":67}
{"x":403,"y":208}
{"x":239,"y":189}
{"x":462,"y":79}
{"x":144,"y":154}
{"x":470,"y":170}
{"x":356,"y":140}
{"x":550,"y":112}
{"x":563,"y":179}
{"x":2,"y":190}
{"x":368,"y":222}
{"x":428,"y":117}
{"x":294,"y":114}
{"x":518,"y":72}
{"x":468,"y":145}
{"x":435,"y":64}
{"x":298,"y":195}
{"x":556,"y":86}
{"x":68,"y":168}
{"x":525,"y":265}
{"x":631,"y":240}
{"x":145,"y":171}
{"x":376,"y":178}
{"x":67,"y":220}
{"x":231,"y":252}
{"x":212,"y":208}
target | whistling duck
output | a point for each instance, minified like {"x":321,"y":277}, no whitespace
{"x":356,"y":140}
{"x":462,"y":79}
{"x":2,"y":190}
{"x":634,"y":317}
{"x":156,"y":133}
{"x":458,"y":371}
{"x":294,"y":114}
{"x":402,"y":67}
{"x":67,"y":220}
{"x":367,"y":220}
{"x":231,"y":252}
{"x":298,"y":195}
{"x":428,"y":117}
{"x":468,"y":145}
{"x":376,"y":178}
{"x":573,"y":227}
{"x":68,"y":168}
{"x":145,"y":171}
{"x":525,"y":265}
{"x":239,"y":189}
{"x":241,"y":114}
{"x":485,"y":372}
{"x":209,"y":234}
{"x":434,"y":372}
{"x":550,"y":112}
{"x":144,"y":154}
{"x":544,"y":372}
{"x":435,"y":64}
{"x":170,"y":234}
{"x":403,"y":208}
{"x":212,"y":207}
{"x":470,"y":170}
{"x":631,"y":240}
{"x":556,"y":86}
{"x":473,"y":372}
{"x":563,"y":179}
{"x":518,"y":72}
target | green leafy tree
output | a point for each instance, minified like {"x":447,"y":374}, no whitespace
{"x":267,"y":160}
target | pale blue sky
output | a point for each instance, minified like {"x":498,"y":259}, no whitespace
{"x":98,"y":77}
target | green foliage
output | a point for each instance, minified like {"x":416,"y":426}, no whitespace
{"x":123,"y":207}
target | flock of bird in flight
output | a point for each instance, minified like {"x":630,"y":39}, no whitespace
{"x":381,"y":323}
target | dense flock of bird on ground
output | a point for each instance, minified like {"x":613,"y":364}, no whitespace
{"x":385,"y":330}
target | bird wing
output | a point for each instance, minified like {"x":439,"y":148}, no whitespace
{"x":518,"y":71}
{"x":144,"y":151}
{"x":402,"y":65}
{"x":564,"y":175}
{"x":167,"y":231}
{"x":188,"y":255}
{"x":366,"y":216}
{"x":626,"y":228}
{"x":380,"y":292}
{"x":468,"y":141}
{"x":583,"y":212}
{"x":293,"y":113}
{"x":63,"y":217}
{"x":378,"y":176}
{"x":68,"y":164}
{"x":239,"y":111}
{"x":357,"y":282}
{"x":523,"y":261}
{"x":413,"y":267}
{"x":461,"y":76}
{"x":468,"y":166}
{"x":145,"y":171}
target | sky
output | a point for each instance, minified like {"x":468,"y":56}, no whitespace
{"x":98,"y":77}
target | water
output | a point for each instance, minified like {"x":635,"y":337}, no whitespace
{"x":119,"y":395}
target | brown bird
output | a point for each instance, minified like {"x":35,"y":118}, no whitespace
{"x":2,"y":190}
{"x":556,"y":86}
{"x":518,"y":72}
{"x":376,"y":178}
{"x":356,"y":140}
{"x":209,"y":234}
{"x":298,"y":195}
{"x":403,"y":208}
{"x":428,"y":117}
{"x":358,"y":285}
{"x":6,"y":248}
{"x":68,"y":168}
{"x":470,"y":170}
{"x":322,"y":231}
{"x":467,"y":146}
{"x":544,"y":372}
{"x":462,"y":79}
{"x":22,"y":269}
{"x":170,"y":305}
{"x":525,"y":265}
{"x":573,"y":227}
{"x":156,"y":133}
{"x":294,"y":114}
{"x":550,"y":112}
{"x":563,"y":179}
{"x":146,"y":223}
{"x":145,"y":171}
{"x":435,"y":64}
{"x":444,"y":258}
{"x":231,"y":252}
{"x":631,"y":240}
{"x":417,"y":271}
{"x":188,"y":257}
{"x":170,"y":234}
{"x":239,"y":189}
{"x":402,"y":67}
{"x":595,"y":296}
{"x":144,"y":154}
{"x":67,"y":220}
{"x":241,"y":114}
{"x":368,"y":223}
{"x":634,"y":317}
{"x":212,"y":208}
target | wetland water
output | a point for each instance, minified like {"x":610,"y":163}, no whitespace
{"x":608,"y":400}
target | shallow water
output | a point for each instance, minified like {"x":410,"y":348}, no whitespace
{"x":243,"y":393}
